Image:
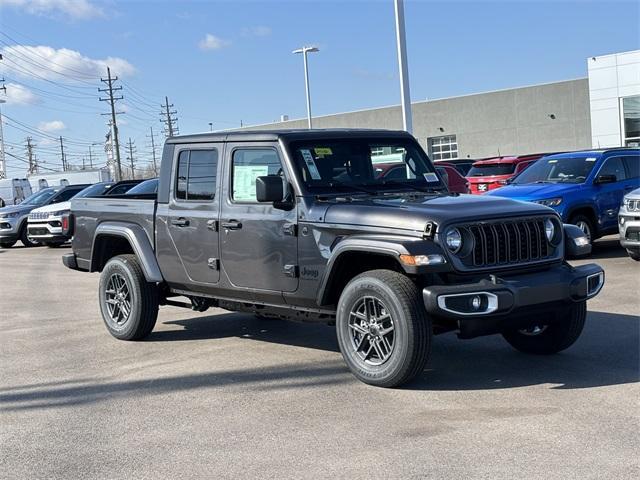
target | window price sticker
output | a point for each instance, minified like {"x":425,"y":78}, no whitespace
{"x":311,"y":164}
{"x":431,"y":177}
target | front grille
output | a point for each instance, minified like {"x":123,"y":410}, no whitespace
{"x":633,"y":205}
{"x":507,"y":242}
{"x":38,"y":215}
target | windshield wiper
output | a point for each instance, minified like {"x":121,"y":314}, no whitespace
{"x":353,"y":186}
{"x":412,"y":186}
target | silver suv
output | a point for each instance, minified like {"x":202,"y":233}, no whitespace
{"x":629,"y":224}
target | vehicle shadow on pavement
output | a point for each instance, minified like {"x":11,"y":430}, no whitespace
{"x":310,"y":335}
{"x":608,"y":247}
{"x":607,"y":353}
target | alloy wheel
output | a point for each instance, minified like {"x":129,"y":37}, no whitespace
{"x":118,"y":300}
{"x":371,"y":330}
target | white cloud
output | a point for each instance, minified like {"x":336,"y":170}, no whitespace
{"x":52,"y":64}
{"x":211,"y":42}
{"x":19,"y":95}
{"x":52,"y":126}
{"x":76,"y":9}
{"x":259,"y":31}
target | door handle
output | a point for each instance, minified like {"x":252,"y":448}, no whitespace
{"x":180,"y":222}
{"x":232,"y":225}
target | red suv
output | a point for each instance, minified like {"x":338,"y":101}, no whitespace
{"x":491,"y":173}
{"x":455,"y":182}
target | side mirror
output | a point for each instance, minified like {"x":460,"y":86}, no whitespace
{"x":606,"y":179}
{"x":269,"y":189}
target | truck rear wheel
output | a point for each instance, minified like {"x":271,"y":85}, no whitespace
{"x":553,"y":338}
{"x":128,"y":303}
{"x":383,"y":331}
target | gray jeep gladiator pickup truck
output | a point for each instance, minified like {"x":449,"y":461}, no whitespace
{"x":299,"y":225}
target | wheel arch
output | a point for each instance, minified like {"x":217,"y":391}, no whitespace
{"x":587,"y":210}
{"x":358,"y":254}
{"x":117,"y":238}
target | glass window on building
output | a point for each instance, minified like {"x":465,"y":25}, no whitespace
{"x":631,"y":121}
{"x":443,"y":148}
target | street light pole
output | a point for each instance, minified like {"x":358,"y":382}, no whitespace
{"x":407,"y":120}
{"x":304,"y":51}
{"x":3,"y":166}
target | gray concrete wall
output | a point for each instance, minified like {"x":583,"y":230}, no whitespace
{"x":514,"y":121}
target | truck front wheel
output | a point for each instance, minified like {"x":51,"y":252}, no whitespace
{"x":553,"y":338}
{"x":383,"y":331}
{"x":128,"y":303}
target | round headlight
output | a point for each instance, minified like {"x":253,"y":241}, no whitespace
{"x":549,"y":229}
{"x":453,"y":239}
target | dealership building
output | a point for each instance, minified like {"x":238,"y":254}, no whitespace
{"x":601,"y":110}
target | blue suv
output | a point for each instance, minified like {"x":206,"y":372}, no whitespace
{"x":586,"y":188}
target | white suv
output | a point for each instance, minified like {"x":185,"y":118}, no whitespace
{"x":44,"y":224}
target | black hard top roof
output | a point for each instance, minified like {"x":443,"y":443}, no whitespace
{"x":274,"y":135}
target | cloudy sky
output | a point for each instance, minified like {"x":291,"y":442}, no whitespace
{"x":230,"y":61}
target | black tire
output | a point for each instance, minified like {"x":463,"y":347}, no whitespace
{"x":586,"y":225}
{"x":399,"y":298}
{"x":24,"y":237}
{"x":8,"y":244}
{"x":552,"y":338}
{"x":143,"y":299}
{"x":634,"y":254}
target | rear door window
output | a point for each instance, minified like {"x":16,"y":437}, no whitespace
{"x":196,"y":175}
{"x":614,"y":166}
{"x":633,"y":165}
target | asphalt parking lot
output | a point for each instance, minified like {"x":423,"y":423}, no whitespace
{"x":222,"y":395}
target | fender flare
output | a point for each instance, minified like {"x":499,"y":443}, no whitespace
{"x":390,"y":246}
{"x":137,"y":238}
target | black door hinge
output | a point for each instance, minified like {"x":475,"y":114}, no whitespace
{"x":290,"y":229}
{"x":291,"y":271}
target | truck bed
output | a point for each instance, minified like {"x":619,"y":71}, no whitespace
{"x":89,"y":213}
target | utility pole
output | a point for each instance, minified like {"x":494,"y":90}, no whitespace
{"x":405,"y":96}
{"x":170,"y":122}
{"x":62,"y":157}
{"x":153,"y":151}
{"x":90,"y":158}
{"x":3,"y":165}
{"x":33,"y":163}
{"x":133,"y":171}
{"x":109,"y":81}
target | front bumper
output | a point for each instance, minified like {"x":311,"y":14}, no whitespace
{"x":10,"y":228}
{"x":629,"y":228}
{"x":47,"y":230}
{"x":512,"y":302}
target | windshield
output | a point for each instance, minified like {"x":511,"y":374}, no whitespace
{"x":146,"y":187}
{"x":491,"y":169}
{"x":93,"y":190}
{"x":39,"y":198}
{"x":557,"y":170}
{"x":364,"y":165}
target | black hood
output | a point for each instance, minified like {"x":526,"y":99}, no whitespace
{"x":413,"y":212}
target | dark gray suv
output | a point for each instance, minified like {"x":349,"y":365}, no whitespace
{"x":298,"y":224}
